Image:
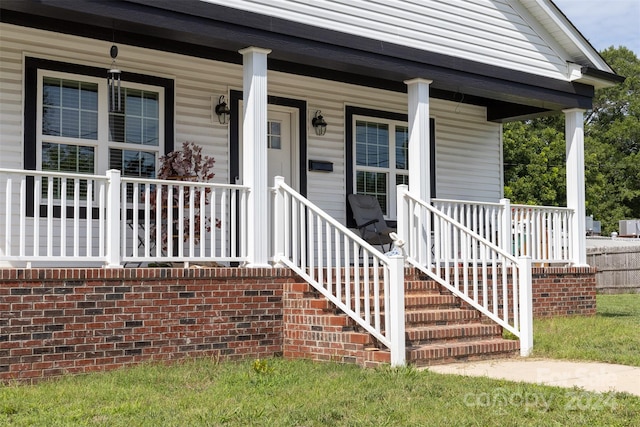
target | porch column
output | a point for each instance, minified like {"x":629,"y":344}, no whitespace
{"x":419,"y":158}
{"x":254,"y":154}
{"x":574,"y":135}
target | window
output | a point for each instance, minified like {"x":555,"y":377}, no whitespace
{"x":274,"y":135}
{"x":377,"y":155}
{"x":72,"y":137}
{"x":381,"y":149}
{"x":68,"y":126}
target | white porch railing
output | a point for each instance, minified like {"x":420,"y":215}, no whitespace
{"x":362,"y":282}
{"x":540,"y":232}
{"x":39,"y":225}
{"x":182,"y":221}
{"x":471,"y":266}
{"x":91,"y":220}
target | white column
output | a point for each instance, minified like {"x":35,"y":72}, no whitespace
{"x":419,"y":152}
{"x":254,"y":153}
{"x":574,"y":136}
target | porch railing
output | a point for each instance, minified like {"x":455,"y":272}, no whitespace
{"x":182,"y":221}
{"x":361,"y":281}
{"x":39,"y":224}
{"x":471,"y":266}
{"x":114,"y":220}
{"x":540,"y":232}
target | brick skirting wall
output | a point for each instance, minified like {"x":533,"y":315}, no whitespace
{"x":559,"y":291}
{"x":67,"y":321}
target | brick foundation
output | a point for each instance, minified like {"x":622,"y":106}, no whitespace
{"x":66,"y":321}
{"x":559,"y":291}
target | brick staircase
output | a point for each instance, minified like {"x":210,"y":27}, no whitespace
{"x":439,"y":329}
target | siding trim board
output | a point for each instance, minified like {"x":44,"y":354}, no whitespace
{"x":371,"y":59}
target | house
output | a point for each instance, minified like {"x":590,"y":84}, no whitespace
{"x":400,"y":100}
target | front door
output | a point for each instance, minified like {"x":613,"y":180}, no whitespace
{"x":279,"y":146}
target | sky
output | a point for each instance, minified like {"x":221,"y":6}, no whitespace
{"x":605,"y":22}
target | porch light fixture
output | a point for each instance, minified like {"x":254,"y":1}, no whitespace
{"x":319,"y":124}
{"x":113,"y":79}
{"x":222,"y":111}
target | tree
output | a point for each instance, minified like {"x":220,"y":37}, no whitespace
{"x":534,"y":151}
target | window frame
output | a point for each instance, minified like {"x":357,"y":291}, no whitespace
{"x":390,"y":170}
{"x":354,"y":114}
{"x":36,"y":67}
{"x":102,"y":145}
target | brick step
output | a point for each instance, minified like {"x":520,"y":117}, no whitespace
{"x":439,"y":317}
{"x":434,"y":354}
{"x":422,"y":301}
{"x":451,"y":333}
{"x":430,"y":286}
{"x":427,"y":300}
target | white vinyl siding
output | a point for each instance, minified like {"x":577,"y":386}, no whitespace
{"x":488,"y":31}
{"x":467,"y":147}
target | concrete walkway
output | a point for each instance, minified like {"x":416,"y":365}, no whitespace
{"x":591,"y":376}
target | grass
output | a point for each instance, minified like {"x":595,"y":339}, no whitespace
{"x":612,"y":335}
{"x":276,"y":392}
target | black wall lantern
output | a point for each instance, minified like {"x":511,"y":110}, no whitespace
{"x":113,"y":79}
{"x":319,"y":124}
{"x":222,"y":111}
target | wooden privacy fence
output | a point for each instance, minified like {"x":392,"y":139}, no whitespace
{"x":618,"y":268}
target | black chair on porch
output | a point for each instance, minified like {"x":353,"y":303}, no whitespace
{"x":367,"y":213}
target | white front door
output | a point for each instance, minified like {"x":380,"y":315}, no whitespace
{"x":279,"y":146}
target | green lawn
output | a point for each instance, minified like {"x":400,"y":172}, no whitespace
{"x":301,"y":393}
{"x":612,"y":336}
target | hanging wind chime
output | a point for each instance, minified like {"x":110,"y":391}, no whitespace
{"x":113,"y":80}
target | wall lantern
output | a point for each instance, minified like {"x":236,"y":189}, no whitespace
{"x":113,"y":80}
{"x":222,"y":111}
{"x":319,"y":124}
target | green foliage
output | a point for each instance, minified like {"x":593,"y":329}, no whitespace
{"x":534,"y":151}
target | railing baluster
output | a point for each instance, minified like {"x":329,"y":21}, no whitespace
{"x":76,"y":217}
{"x":89,"y":218}
{"x":228,"y":197}
{"x":37,"y":188}
{"x":8,"y":226}
{"x":23,"y":219}
{"x":50,"y":217}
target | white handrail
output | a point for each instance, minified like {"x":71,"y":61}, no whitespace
{"x":472,"y":267}
{"x":362,"y":282}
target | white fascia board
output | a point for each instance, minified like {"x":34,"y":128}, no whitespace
{"x":573,"y":34}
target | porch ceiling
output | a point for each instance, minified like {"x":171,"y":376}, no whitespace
{"x":201,"y":29}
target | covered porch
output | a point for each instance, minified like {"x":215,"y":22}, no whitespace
{"x":443,"y":114}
